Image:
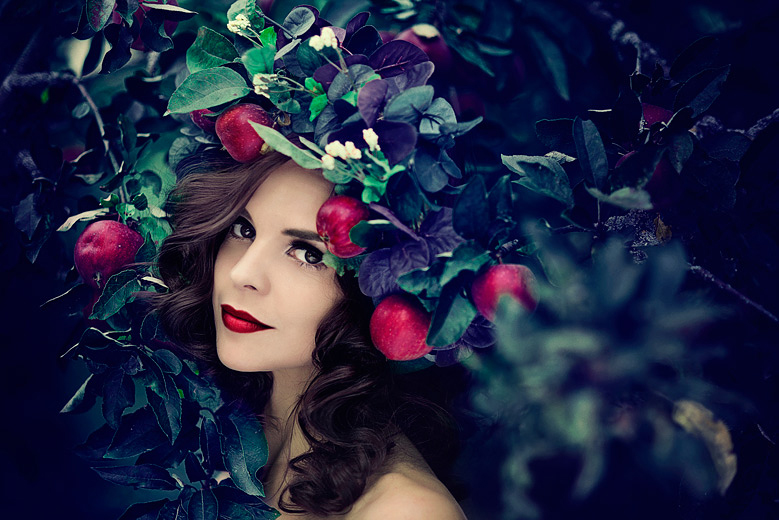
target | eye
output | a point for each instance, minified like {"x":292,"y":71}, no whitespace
{"x":306,"y":254}
{"x":242,"y":229}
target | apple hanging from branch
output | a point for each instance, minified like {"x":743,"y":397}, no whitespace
{"x":103,"y":249}
{"x":236,"y":133}
{"x":514,"y":280}
{"x":335,"y":219}
{"x":399,"y":326}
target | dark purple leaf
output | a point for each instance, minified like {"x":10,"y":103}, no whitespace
{"x":344,"y":110}
{"x":370,"y":99}
{"x":407,"y":256}
{"x":451,"y":356}
{"x":327,"y":73}
{"x":396,"y":139}
{"x":365,"y":41}
{"x":148,"y":476}
{"x":351,"y":133}
{"x":396,"y":57}
{"x":120,"y":39}
{"x":153,"y":33}
{"x":375,"y":278}
{"x":340,"y":34}
{"x":416,"y":76}
{"x":357,"y":22}
{"x":480,"y":333}
{"x":439,"y":233}
{"x":389,"y":215}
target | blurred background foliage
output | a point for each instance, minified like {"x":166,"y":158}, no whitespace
{"x":645,"y":384}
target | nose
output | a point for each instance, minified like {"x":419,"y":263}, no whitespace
{"x":250,"y":271}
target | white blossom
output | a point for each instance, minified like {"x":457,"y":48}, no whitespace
{"x":371,"y":139}
{"x":328,"y":162}
{"x":325,"y":39}
{"x":352,"y":152}
{"x":336,"y":149}
{"x":241,"y":22}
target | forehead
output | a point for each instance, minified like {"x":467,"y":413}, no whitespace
{"x":290,"y":193}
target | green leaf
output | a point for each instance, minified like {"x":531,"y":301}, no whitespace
{"x":470,"y":217}
{"x":281,"y":144}
{"x":119,"y":291}
{"x":362,"y":232}
{"x":317,"y":105}
{"x":259,"y":60}
{"x":452,"y":316}
{"x":543,"y":175}
{"x":469,"y":256}
{"x":98,"y":12}
{"x":340,"y":265}
{"x":590,"y":152}
{"x":700,"y":91}
{"x":209,"y":50}
{"x":206,"y":89}
{"x":268,"y":37}
{"x":424,"y":281}
{"x":147,"y":476}
{"x":627,"y":197}
{"x":245,"y":451}
{"x":248,"y":8}
{"x":309,"y":59}
{"x":699,"y":56}
{"x":551,"y":59}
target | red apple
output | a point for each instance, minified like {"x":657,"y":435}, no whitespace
{"x":516,"y":281}
{"x":335,"y":219}
{"x":665,"y":186}
{"x":103,"y":249}
{"x":399,"y":327}
{"x":429,"y":39}
{"x":237,"y":135}
{"x":205,"y":123}
{"x":654,"y":114}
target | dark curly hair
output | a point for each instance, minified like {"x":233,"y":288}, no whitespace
{"x":355,"y":404}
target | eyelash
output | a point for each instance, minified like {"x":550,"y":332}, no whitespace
{"x":234,"y":232}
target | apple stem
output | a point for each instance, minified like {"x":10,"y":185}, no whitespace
{"x":709,"y":277}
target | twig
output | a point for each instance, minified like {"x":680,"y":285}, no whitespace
{"x":709,"y":277}
{"x":98,"y":119}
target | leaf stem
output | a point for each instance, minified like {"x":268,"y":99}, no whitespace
{"x":709,"y":277}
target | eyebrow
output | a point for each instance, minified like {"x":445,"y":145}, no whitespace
{"x":303,"y":234}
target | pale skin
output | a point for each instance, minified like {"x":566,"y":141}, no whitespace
{"x":270,"y":267}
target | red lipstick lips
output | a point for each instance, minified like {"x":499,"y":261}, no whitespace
{"x":240,"y":321}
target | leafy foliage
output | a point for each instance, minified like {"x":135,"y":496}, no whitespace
{"x":641,"y":192}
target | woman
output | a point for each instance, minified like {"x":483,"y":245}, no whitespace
{"x":250,"y":297}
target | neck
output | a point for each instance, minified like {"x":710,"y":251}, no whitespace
{"x":285,"y":439}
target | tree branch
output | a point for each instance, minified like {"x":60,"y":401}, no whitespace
{"x":709,"y":277}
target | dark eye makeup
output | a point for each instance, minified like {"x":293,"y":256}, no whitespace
{"x":305,"y":253}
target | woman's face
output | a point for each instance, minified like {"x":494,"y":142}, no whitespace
{"x":271,"y":289}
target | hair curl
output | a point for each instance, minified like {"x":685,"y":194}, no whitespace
{"x":354,"y":405}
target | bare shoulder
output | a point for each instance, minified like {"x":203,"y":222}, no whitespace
{"x":407,"y":496}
